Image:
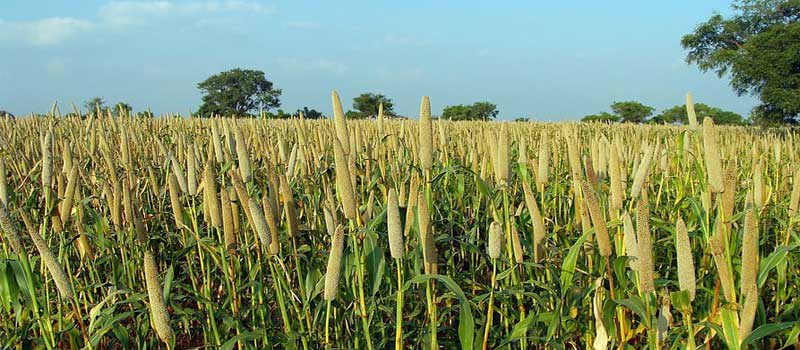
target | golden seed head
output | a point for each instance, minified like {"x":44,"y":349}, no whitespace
{"x":425,"y":135}
{"x":53,"y":266}
{"x":340,"y":123}
{"x":630,"y":241}
{"x":716,"y":245}
{"x":290,"y":210}
{"x":712,"y":156}
{"x":502,"y":163}
{"x":537,"y":221}
{"x":495,"y":240}
{"x":158,"y":309}
{"x":210,"y":193}
{"x":260,"y":223}
{"x":543,"y":172}
{"x":645,"y":249}
{"x":596,"y":214}
{"x":333,"y":269}
{"x":425,"y":230}
{"x":690,"y":110}
{"x":750,"y":255}
{"x":10,"y":230}
{"x":642,"y":171}
{"x":242,"y":155}
{"x":3,"y":183}
{"x":683,"y":247}
{"x":344,"y":184}
{"x":394,"y":229}
{"x":748,"y":312}
{"x":47,"y":159}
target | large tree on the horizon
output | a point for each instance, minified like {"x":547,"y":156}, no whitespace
{"x":758,"y":48}
{"x":95,"y":104}
{"x":237,"y":92}
{"x":476,"y":111}
{"x":367,"y":105}
{"x":632,"y":111}
{"x":677,"y":114}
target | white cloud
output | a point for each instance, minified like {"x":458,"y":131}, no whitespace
{"x":53,"y":30}
{"x":122,"y":13}
{"x":130,"y":12}
{"x":318,"y":65}
{"x":330,"y":66}
{"x":224,"y":6}
{"x":43,"y":32}
{"x":301,"y":24}
{"x":399,"y":74}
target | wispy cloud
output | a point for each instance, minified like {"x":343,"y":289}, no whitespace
{"x":399,"y":74}
{"x":121,"y":14}
{"x":43,"y":32}
{"x":306,"y":65}
{"x":301,"y":24}
{"x":133,"y":12}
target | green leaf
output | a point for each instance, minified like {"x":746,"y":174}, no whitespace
{"x":520,"y":329}
{"x":466,"y":324}
{"x":770,"y":262}
{"x":568,"y":268}
{"x":230,"y":343}
{"x":635,"y":304}
{"x":765,"y":331}
{"x":730,"y":326}
{"x":168,"y":282}
{"x":375,"y":261}
{"x":682,"y":301}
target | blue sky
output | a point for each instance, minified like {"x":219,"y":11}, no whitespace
{"x":553,"y":60}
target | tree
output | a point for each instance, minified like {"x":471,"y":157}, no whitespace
{"x":757,"y":48}
{"x":309,"y":113}
{"x":279,"y":114}
{"x":237,"y":92}
{"x":678,"y":115}
{"x":484,"y":111}
{"x":367,"y":105}
{"x":603,"y":117}
{"x":351,"y":114}
{"x":122,"y":109}
{"x":631,"y":111}
{"x":95,"y":104}
{"x":476,"y":111}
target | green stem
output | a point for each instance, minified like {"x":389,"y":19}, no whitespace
{"x":490,"y":308}
{"x":398,"y":340}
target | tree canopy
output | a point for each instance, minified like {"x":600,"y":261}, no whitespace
{"x":604,"y":117}
{"x":678,"y":115}
{"x":95,"y":104}
{"x":626,"y":112}
{"x":309,"y":113}
{"x":367,"y":105}
{"x":636,"y":112}
{"x":758,"y":48}
{"x":237,"y":92}
{"x":631,"y":111}
{"x":475,"y":111}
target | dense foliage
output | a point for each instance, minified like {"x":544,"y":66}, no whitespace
{"x":758,"y":48}
{"x":237,"y":92}
{"x":476,"y":111}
